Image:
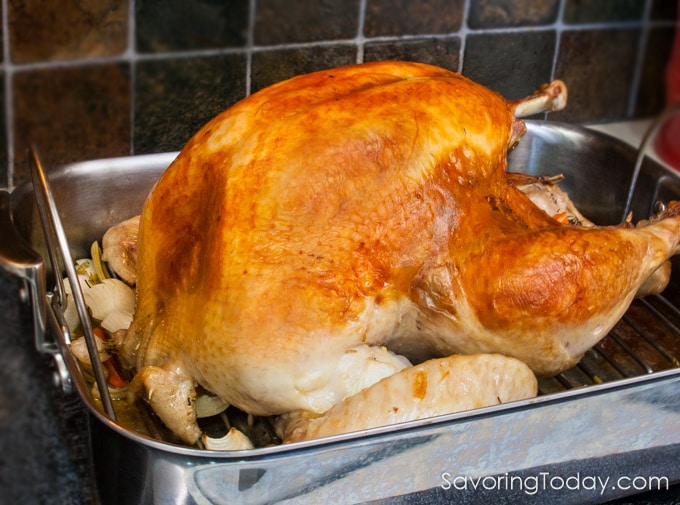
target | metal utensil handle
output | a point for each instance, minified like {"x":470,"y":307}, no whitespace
{"x":646,"y":140}
{"x":53,"y":227}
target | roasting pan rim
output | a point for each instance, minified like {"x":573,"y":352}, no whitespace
{"x":629,"y":383}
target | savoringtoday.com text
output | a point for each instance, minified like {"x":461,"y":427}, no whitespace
{"x":533,"y":484}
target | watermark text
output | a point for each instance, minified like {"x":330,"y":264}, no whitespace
{"x":545,"y":481}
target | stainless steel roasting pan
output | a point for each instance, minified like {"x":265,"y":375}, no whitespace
{"x":606,"y":428}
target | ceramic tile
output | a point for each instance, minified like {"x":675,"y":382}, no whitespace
{"x":177,"y":25}
{"x":602,"y":11}
{"x":71,"y":114}
{"x":67,"y":29}
{"x":274,"y":66}
{"x":664,"y":10}
{"x":4,"y":175}
{"x":651,"y":95}
{"x":2,"y":36}
{"x":443,"y":52}
{"x":597,"y":67}
{"x":506,"y":13}
{"x":283,"y":22}
{"x":404,"y":17}
{"x":513,"y":64}
{"x":175,"y":97}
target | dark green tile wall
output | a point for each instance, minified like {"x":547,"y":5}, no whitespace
{"x":276,"y":65}
{"x":181,"y":25}
{"x":512,"y":13}
{"x":88,"y":80}
{"x":387,"y":18}
{"x":441,"y":51}
{"x":598,"y":66}
{"x":510,"y":63}
{"x":651,"y":95}
{"x":174,"y":97}
{"x":602,"y":11}
{"x":4,"y":175}
{"x":292,"y":21}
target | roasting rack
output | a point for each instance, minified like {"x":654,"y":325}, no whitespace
{"x":646,"y":340}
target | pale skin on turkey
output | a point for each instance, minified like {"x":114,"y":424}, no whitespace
{"x":344,"y":249}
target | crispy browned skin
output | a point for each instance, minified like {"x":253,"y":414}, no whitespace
{"x":365,"y":205}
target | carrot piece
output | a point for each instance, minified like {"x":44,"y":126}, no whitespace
{"x":114,"y":377}
{"x":562,"y":217}
{"x":98,"y":332}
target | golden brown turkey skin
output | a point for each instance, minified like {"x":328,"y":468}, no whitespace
{"x":366,"y":205}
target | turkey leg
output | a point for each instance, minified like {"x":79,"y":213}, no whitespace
{"x":545,"y":296}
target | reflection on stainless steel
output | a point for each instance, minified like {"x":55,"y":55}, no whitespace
{"x":647,"y":139}
{"x":615,"y":414}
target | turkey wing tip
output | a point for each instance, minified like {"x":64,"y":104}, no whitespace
{"x":550,"y":97}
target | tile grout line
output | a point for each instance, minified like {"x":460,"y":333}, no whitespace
{"x":463,"y":33}
{"x":559,"y":28}
{"x":639,"y":62}
{"x":131,"y":52}
{"x":361,"y":24}
{"x":250,"y":42}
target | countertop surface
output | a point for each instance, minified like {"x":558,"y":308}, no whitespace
{"x":44,"y":441}
{"x":44,"y":445}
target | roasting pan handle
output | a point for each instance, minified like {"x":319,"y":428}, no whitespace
{"x":19,"y":259}
{"x":58,"y":248}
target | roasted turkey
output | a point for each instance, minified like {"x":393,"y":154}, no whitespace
{"x":345,"y":249}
